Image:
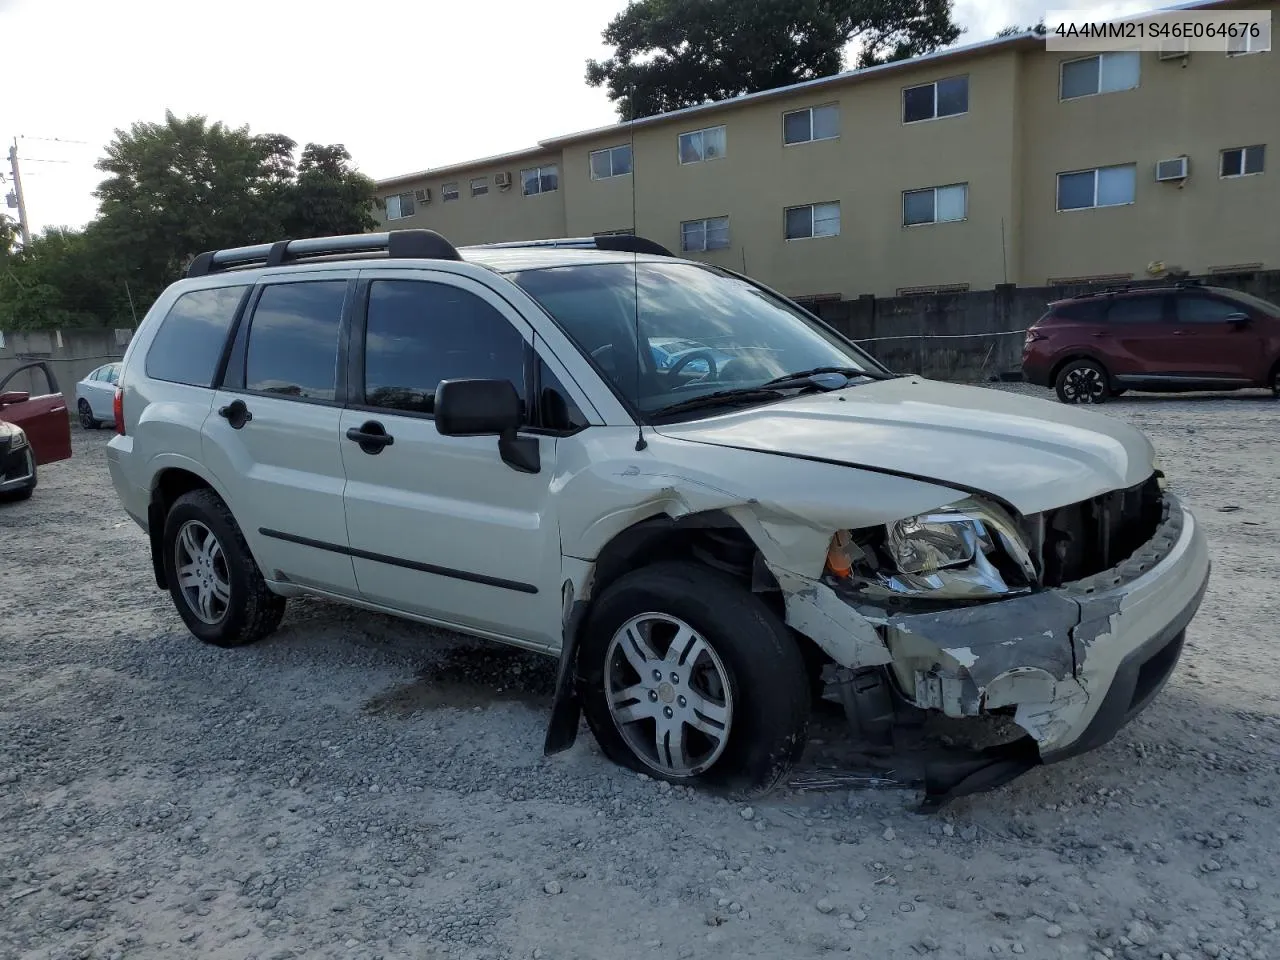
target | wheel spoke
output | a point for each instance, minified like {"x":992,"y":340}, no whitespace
{"x":632,"y":704}
{"x":204,"y":599}
{"x":190,"y":544}
{"x":669,"y":739}
{"x":221,"y":591}
{"x":212,"y":548}
{"x":706,"y":715}
{"x":187,"y":576}
{"x":685,"y":648}
{"x":638,"y":651}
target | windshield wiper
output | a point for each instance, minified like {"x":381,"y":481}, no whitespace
{"x":720,"y":398}
{"x":849,"y":373}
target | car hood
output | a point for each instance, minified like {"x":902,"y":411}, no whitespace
{"x":1033,"y":454}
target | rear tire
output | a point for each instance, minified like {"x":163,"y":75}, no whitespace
{"x":746,"y":719}
{"x":1082,"y":381}
{"x":216,"y":586}
{"x":1275,"y":381}
{"x":87,"y":420}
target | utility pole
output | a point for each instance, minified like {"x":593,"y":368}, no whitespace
{"x":15,"y":197}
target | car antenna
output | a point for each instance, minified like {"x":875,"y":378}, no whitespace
{"x":641,"y":443}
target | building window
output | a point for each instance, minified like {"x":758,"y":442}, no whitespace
{"x":449,"y":191}
{"x":400,"y":206}
{"x":1240,"y":46}
{"x":813,"y":220}
{"x":1243,"y":161}
{"x":929,"y":101}
{"x":479,"y":186}
{"x":811,"y":123}
{"x":1105,"y":73}
{"x":697,"y":236}
{"x":537,"y":180}
{"x":935,"y":204}
{"x":1101,"y":187}
{"x":700,"y":145}
{"x":612,"y":162}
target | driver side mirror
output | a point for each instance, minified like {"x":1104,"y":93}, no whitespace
{"x":14,"y":396}
{"x":1239,"y":319}
{"x":487,"y":408}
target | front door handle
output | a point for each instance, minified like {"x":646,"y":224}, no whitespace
{"x":371,"y":436}
{"x":236,"y":414}
{"x":1182,"y":333}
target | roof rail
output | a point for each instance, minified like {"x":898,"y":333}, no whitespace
{"x":398,"y":244}
{"x":621,"y":242}
{"x":1189,"y":282}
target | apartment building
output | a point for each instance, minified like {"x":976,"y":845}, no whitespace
{"x":995,"y":162}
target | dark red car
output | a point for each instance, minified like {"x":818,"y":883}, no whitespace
{"x":1158,"y":339}
{"x":35,"y":428}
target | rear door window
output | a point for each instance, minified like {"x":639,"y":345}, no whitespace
{"x":293,"y":340}
{"x":1127,"y":310}
{"x":1081,"y":311}
{"x":192,"y":336}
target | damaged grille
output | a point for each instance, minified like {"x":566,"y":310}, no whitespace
{"x":1085,"y":538}
{"x":13,"y":463}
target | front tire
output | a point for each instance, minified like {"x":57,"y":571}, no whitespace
{"x":87,"y":421}
{"x":1082,"y":381}
{"x":216,"y":586}
{"x":686,"y":676}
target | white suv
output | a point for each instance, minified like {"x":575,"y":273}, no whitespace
{"x":486,"y":439}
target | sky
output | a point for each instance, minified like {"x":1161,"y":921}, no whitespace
{"x":405,"y":84}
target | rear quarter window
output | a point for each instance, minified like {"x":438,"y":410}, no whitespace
{"x":1084,"y":311}
{"x":191,"y":338}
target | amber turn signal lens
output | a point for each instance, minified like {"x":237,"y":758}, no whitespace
{"x":838,"y":561}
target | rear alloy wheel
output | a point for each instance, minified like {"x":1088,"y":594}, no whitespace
{"x":1275,"y":382}
{"x":216,"y":586}
{"x":687,"y":676}
{"x":1082,"y":381}
{"x":86,"y":416}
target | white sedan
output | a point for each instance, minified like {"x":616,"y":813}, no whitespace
{"x":95,"y":396}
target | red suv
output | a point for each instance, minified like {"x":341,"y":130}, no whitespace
{"x":1160,"y":339}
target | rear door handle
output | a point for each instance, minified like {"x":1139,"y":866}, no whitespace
{"x":371,"y":436}
{"x":1102,"y":333}
{"x":1182,"y":333}
{"x":236,"y":414}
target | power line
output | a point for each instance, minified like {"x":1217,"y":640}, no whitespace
{"x":55,"y":140}
{"x":43,"y":160}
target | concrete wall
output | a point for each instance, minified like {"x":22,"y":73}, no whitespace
{"x":71,"y":354}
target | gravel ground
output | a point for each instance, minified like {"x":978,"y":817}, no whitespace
{"x":361,"y":787}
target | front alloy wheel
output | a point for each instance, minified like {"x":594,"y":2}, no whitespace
{"x":669,"y":695}
{"x":203,"y":577}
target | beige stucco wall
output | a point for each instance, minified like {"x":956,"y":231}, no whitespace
{"x":1214,"y":102}
{"x":1009,"y":147}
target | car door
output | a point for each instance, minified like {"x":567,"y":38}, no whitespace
{"x":104,"y":392}
{"x":1135,"y":338}
{"x":440,"y":526}
{"x":41,"y":410}
{"x":1222,"y":339}
{"x":272,"y":436}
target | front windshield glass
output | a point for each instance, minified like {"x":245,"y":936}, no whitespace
{"x":711,"y":331}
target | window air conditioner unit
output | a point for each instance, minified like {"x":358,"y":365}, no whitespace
{"x":502,"y":179}
{"x":1174,"y":48}
{"x":423,"y":195}
{"x":1175,"y":169}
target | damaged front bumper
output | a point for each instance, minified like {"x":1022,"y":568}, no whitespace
{"x":1072,"y":664}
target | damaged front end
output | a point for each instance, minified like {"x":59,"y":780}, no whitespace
{"x":1068,"y":621}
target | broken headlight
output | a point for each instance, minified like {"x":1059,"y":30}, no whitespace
{"x":965,"y":551}
{"x":17,"y":440}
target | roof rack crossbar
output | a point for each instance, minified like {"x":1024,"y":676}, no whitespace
{"x":400,"y":244}
{"x":620,"y":242}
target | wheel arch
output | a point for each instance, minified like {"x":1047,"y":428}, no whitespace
{"x":169,"y":482}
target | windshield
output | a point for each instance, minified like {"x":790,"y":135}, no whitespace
{"x":721,"y":332}
{"x":1262,"y":306}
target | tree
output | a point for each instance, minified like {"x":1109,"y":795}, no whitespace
{"x":670,"y":54}
{"x":9,"y":234}
{"x":1014,"y":31}
{"x":62,"y":278}
{"x":328,"y":197}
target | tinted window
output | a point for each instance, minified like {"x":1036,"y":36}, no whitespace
{"x":1085,"y":311}
{"x":1136,"y":310}
{"x":192,"y":335}
{"x":293,"y":340}
{"x":1205,"y":310}
{"x":420,"y":333}
{"x":917,"y":103}
{"x":556,"y":408}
